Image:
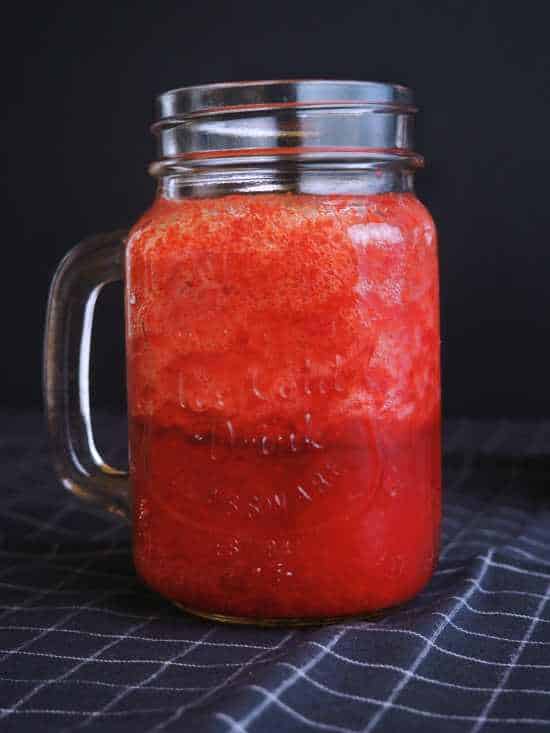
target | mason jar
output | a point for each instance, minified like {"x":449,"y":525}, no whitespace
{"x":282,"y":341}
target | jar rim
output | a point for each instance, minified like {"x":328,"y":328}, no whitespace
{"x":223,"y":97}
{"x":286,"y":117}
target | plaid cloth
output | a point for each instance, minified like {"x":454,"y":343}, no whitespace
{"x":84,"y":646}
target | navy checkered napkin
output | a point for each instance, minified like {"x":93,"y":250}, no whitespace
{"x":84,"y":646}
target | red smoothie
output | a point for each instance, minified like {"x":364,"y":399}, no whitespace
{"x":284,"y":397}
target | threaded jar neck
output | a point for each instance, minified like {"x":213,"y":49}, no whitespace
{"x":286,"y":135}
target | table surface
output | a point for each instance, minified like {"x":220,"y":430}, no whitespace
{"x":85,"y":646}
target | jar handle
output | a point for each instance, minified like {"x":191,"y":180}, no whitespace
{"x":77,"y":282}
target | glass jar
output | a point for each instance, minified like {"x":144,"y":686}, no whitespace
{"x":282,"y":335}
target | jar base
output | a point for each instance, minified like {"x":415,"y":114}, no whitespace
{"x":285,"y":622}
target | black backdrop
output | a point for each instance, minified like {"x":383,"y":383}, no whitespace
{"x":78,"y":98}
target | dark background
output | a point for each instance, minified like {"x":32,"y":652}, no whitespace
{"x":79,"y":101}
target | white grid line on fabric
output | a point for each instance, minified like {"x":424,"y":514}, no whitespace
{"x":495,"y":533}
{"x":427,"y":680}
{"x":428,"y":608}
{"x":442,"y":596}
{"x":256,"y":659}
{"x":513,"y":663}
{"x":98,"y":609}
{"x":511,"y":614}
{"x":133,"y":637}
{"x":448,"y":571}
{"x":485,"y":591}
{"x":113,"y":713}
{"x":475,"y":544}
{"x":488,"y":636}
{"x":217,"y":665}
{"x":494,"y":564}
{"x":119,"y":685}
{"x":431,"y":644}
{"x":35,"y":690}
{"x":255,"y":713}
{"x":529,"y":555}
{"x":521,"y":571}
{"x":507,"y":546}
{"x":145,"y":681}
{"x":535,"y":543}
{"x":160,"y":688}
{"x":504,"y":545}
{"x":312,"y":723}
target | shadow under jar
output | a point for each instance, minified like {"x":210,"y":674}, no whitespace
{"x":282,"y":328}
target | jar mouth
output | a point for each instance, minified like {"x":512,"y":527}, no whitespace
{"x":274,"y":118}
{"x":280,"y":93}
